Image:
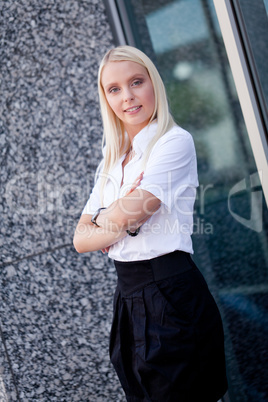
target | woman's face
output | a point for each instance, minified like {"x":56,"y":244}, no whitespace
{"x":130,"y":94}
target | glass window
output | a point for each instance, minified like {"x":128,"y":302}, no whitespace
{"x":230,"y":231}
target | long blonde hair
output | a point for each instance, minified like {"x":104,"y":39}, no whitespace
{"x":114,"y":139}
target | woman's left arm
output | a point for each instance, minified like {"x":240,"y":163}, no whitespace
{"x":129,"y":212}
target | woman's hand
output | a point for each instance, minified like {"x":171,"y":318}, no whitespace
{"x":105,"y":250}
{"x":133,"y":187}
{"x":136,"y":183}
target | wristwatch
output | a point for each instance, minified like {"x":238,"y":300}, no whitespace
{"x":94,"y":217}
{"x":133,"y":234}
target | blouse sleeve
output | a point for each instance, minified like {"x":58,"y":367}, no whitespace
{"x":171,"y":168}
{"x":94,"y":201}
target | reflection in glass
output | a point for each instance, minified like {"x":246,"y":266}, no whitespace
{"x":200,"y":86}
{"x":230,"y":232}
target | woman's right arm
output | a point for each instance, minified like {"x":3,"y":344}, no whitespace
{"x":88,"y":237}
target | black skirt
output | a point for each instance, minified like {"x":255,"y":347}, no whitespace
{"x":167,"y":338}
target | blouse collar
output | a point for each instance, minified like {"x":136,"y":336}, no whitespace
{"x":143,"y":138}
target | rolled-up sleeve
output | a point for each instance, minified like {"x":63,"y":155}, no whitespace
{"x":93,"y":202}
{"x":171,"y":168}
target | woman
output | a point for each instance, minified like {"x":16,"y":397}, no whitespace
{"x":166,"y":340}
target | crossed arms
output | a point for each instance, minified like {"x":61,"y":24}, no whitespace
{"x":128,"y":212}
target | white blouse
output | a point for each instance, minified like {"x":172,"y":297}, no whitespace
{"x":171,"y":176}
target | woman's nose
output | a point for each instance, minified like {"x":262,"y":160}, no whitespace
{"x":128,"y":95}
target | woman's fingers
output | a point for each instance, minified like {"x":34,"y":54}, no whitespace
{"x":105,"y":250}
{"x":136,"y":183}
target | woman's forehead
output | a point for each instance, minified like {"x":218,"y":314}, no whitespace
{"x":116,"y":70}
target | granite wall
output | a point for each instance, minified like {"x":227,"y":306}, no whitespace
{"x":55,"y":305}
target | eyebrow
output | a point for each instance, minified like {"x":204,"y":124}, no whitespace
{"x":138,"y":75}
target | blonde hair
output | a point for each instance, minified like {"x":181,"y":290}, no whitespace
{"x":113,"y":129}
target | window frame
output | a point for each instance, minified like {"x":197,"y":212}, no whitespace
{"x":120,"y":22}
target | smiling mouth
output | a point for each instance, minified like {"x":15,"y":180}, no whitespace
{"x":132,"y":109}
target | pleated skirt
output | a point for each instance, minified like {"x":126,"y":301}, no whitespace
{"x":167,"y":342}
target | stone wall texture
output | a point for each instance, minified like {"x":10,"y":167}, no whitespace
{"x":55,"y":305}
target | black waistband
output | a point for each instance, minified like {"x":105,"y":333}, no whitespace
{"x":133,"y":275}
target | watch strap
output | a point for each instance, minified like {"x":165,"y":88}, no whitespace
{"x":95,"y":216}
{"x":133,"y":234}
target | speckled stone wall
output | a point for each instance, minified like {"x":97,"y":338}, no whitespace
{"x":55,"y":305}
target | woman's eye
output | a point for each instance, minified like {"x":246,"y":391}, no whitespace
{"x":137,"y":82}
{"x":113,"y":90}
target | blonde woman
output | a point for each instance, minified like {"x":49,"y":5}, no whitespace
{"x":166,"y":340}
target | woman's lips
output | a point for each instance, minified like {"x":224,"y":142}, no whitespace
{"x":133,"y":109}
